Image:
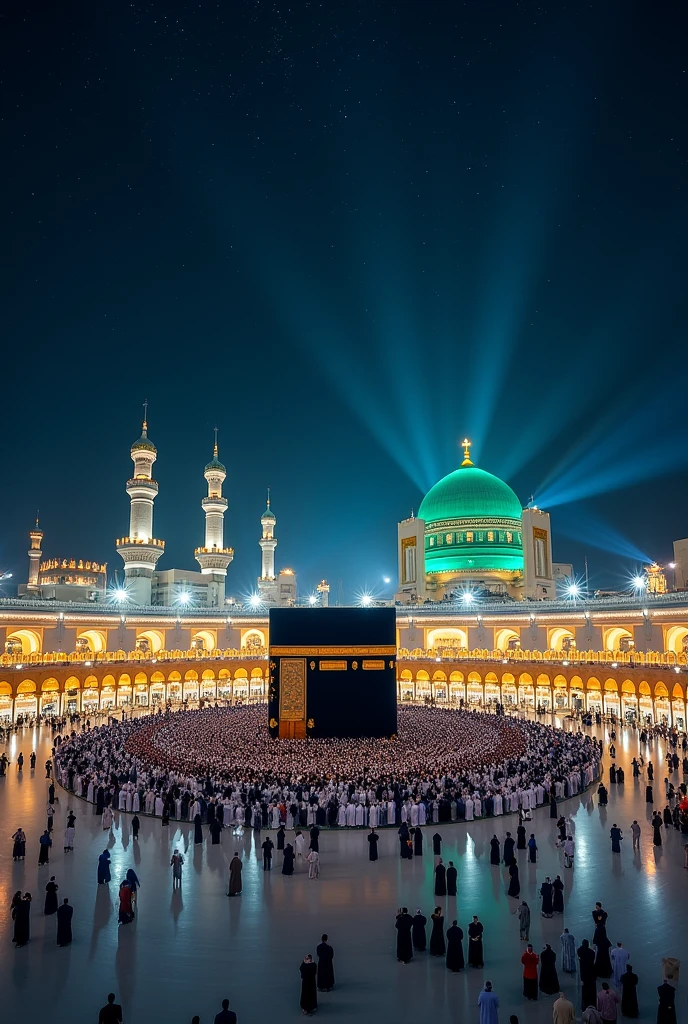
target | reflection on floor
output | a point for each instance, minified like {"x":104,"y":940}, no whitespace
{"x":189,"y":948}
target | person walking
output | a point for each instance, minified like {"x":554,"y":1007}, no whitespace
{"x":549,"y":980}
{"x":135,"y":826}
{"x":524,"y":921}
{"x":569,"y":848}
{"x":104,"y":876}
{"x":530,"y":961}
{"x":111,"y":1013}
{"x":607,"y":1001}
{"x":568,"y":952}
{"x":488,"y":1004}
{"x":309,"y":991}
{"x":635,"y":832}
{"x":588,"y":975}
{"x":563,"y":1011}
{"x":235,"y":869}
{"x":267,"y":847}
{"x":176,"y":863}
{"x":64,"y":923}
{"x":616,"y":837}
{"x":50,"y":906}
{"x":325,"y":954}
{"x":619,"y":958}
{"x":532,"y":849}
{"x":44,"y":852}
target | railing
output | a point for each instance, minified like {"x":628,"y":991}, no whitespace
{"x":88,"y":659}
{"x":569,"y":604}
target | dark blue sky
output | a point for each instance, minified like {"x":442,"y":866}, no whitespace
{"x":348,"y":234}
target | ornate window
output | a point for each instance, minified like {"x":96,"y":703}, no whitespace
{"x":449,"y":538}
{"x":431,"y":542}
{"x":469,"y":536}
{"x":509,"y":537}
{"x":490,"y":534}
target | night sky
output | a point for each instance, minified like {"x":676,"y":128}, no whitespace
{"x":346,"y":233}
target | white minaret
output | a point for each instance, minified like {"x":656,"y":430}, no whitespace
{"x":140,"y":551}
{"x":267,"y":582}
{"x":36,"y":536}
{"x":214,"y":557}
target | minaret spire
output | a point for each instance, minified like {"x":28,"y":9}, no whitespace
{"x":35,"y":553}
{"x":214,"y":557}
{"x":268,"y":543}
{"x":466,"y":452}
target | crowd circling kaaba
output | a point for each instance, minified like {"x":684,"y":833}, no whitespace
{"x":221,"y":764}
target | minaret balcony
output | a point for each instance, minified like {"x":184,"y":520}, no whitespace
{"x":142,"y":487}
{"x":214,"y":504}
{"x":125,"y":542}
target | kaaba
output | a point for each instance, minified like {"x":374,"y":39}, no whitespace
{"x":332,"y":672}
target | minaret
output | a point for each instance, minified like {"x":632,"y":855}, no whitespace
{"x":36,"y":536}
{"x":266,"y":583}
{"x":140,"y":550}
{"x":214,"y":558}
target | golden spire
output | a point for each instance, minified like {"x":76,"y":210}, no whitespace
{"x":145,"y":417}
{"x":466,"y":452}
{"x":215,"y":445}
{"x":268,"y":497}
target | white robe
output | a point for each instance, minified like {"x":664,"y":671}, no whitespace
{"x":421,"y":814}
{"x":414,"y":815}
{"x":298,"y":845}
{"x":498,"y":809}
{"x":391,"y":813}
{"x":341,"y":815}
{"x":360,"y":815}
{"x":374,"y":816}
{"x":351,"y":815}
{"x":469,"y":809}
{"x":477,"y":807}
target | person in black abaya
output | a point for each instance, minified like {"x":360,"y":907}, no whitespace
{"x":455,"y":961}
{"x":22,"y":920}
{"x":602,"y":795}
{"x":437,"y":946}
{"x":603,"y":963}
{"x":629,"y":993}
{"x":657,"y":829}
{"x":325,"y":954}
{"x":599,"y":917}
{"x":521,"y":837}
{"x":419,"y":938}
{"x":452,"y":876}
{"x":549,"y":980}
{"x":514,"y":889}
{"x":403,"y":834}
{"x":280,"y":838}
{"x":648,"y":795}
{"x":418,"y":842}
{"x":495,"y":856}
{"x":475,"y":943}
{"x":558,"y":895}
{"x":404,"y":926}
{"x":546,"y":892}
{"x":440,"y":879}
{"x":50,"y":906}
{"x":215,"y":829}
{"x":314,"y":843}
{"x":100,"y":800}
{"x":588,"y":977}
{"x":552,"y":804}
{"x":373,"y":839}
{"x":309,"y":991}
{"x":508,"y":850}
{"x":288,"y":861}
{"x":64,"y":923}
{"x":437,"y":844}
{"x":666,"y":1011}
{"x":198,"y":830}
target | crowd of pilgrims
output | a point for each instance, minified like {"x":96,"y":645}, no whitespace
{"x":221,"y":763}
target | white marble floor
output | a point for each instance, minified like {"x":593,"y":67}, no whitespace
{"x":189,"y":949}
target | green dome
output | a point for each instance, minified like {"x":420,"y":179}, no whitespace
{"x":144,"y":443}
{"x":469,"y":493}
{"x":216,"y":465}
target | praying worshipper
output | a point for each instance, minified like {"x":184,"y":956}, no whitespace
{"x":111,"y":1013}
{"x":558,"y":895}
{"x":532,"y":849}
{"x":656,"y":829}
{"x":509,"y":850}
{"x":475,"y":943}
{"x":404,"y":926}
{"x":437,"y":946}
{"x":64,"y":923}
{"x":603,"y":964}
{"x":524,"y":921}
{"x":607,"y":1001}
{"x":495,"y":856}
{"x":568,"y":952}
{"x":488,"y":1003}
{"x":418,"y":843}
{"x":455,"y":961}
{"x":373,"y":839}
{"x":591,"y":1015}
{"x":126,"y":909}
{"x":309,"y":991}
{"x":135,"y":826}
{"x":563,"y":1011}
{"x":547,"y":894}
{"x":549,"y":980}
{"x":50,"y":906}
{"x":104,"y":868}
{"x":325,"y":954}
{"x":437,"y":844}
{"x":176,"y":863}
{"x":616,"y":837}
{"x":452,"y":876}
{"x":50,"y":812}
{"x":313,"y":859}
{"x":44,"y":852}
{"x":235,"y":868}
{"x":530,"y":961}
{"x":629,"y":993}
{"x":19,"y":848}
{"x":288,"y":861}
{"x":267,"y":847}
{"x":418,"y":932}
{"x":588,"y":977}
{"x":514,"y":889}
{"x":440,"y":879}
{"x":619,"y":958}
{"x":666,"y":1011}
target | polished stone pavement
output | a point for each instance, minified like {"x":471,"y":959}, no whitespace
{"x":187,"y":950}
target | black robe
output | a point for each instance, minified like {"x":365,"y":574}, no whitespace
{"x":603,"y":964}
{"x":64,"y":924}
{"x":215,"y":829}
{"x":586,"y":959}
{"x":600,"y":919}
{"x":437,"y":844}
{"x":657,"y":830}
{"x":22,"y":922}
{"x":455,"y":961}
{"x":558,"y":896}
{"x":495,"y":856}
{"x":373,"y":840}
{"x":419,"y":938}
{"x":514,"y":889}
{"x":629,"y":994}
{"x":553,"y":807}
{"x":475,"y":944}
{"x":418,"y":843}
{"x":520,"y":838}
{"x":315,"y":832}
{"x":50,"y":899}
{"x":440,"y":880}
{"x":325,"y":954}
{"x":437,"y":945}
{"x":309,"y":992}
{"x":404,"y":925}
{"x":546,"y":893}
{"x":452,"y":875}
{"x":666,"y":1011}
{"x":198,"y":830}
{"x":288,"y":862}
{"x":508,"y":851}
{"x":648,"y":795}
{"x":549,"y":981}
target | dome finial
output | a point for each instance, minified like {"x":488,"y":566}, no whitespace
{"x":215,"y":445}
{"x":466,"y":452}
{"x":145,"y":418}
{"x":268,"y":497}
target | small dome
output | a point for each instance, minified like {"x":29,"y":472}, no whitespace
{"x":215,"y":464}
{"x":144,"y":443}
{"x":268,"y":516}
